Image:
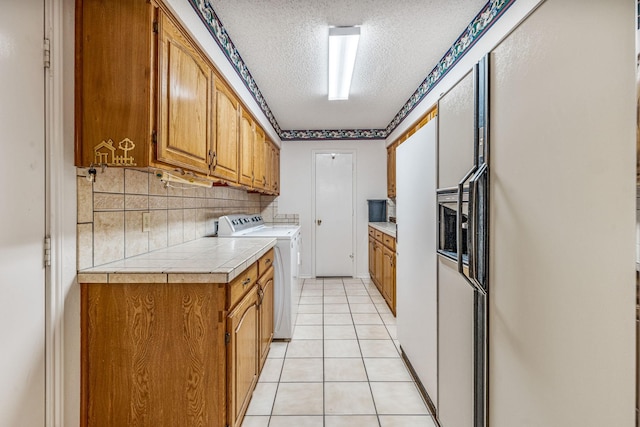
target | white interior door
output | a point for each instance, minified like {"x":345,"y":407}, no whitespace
{"x":334,"y":214}
{"x":22,"y":215}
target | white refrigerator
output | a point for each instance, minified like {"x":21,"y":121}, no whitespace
{"x":562,"y":214}
{"x":560,"y":244}
{"x":416,"y":287}
{"x":558,"y":250}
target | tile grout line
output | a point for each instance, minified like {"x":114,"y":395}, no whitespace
{"x":366,"y":371}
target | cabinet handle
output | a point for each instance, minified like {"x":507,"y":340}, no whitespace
{"x":260,"y":296}
{"x":214,"y":160}
{"x":267,"y":261}
{"x":246,"y":281}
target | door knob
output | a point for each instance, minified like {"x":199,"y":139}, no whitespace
{"x":319,"y":221}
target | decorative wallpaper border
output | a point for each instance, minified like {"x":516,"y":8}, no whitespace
{"x":489,"y":14}
{"x":345,"y":134}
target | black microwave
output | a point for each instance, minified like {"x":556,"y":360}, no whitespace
{"x":448,"y":205}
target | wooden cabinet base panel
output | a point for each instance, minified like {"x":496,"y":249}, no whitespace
{"x":382,"y":260}
{"x":152,"y":354}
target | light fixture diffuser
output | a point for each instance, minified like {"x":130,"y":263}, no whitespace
{"x":343,"y":45}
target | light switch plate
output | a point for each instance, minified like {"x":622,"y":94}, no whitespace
{"x":146,"y":220}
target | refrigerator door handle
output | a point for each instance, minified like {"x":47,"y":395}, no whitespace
{"x":474,"y":211}
{"x":459,"y":218}
{"x":472,"y":176}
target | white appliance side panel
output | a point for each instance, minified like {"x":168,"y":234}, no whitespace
{"x":562,"y":279}
{"x":416,"y":291}
{"x":296,"y":282}
{"x":285,"y":304}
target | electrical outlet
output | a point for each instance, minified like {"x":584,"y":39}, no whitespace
{"x":146,"y":220}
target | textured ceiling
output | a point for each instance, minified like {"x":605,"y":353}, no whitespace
{"x":284,"y":46}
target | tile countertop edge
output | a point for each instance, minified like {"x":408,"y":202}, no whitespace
{"x":224,"y":269}
{"x":386,"y":227}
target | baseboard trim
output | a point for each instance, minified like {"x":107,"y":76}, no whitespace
{"x":421,"y":389}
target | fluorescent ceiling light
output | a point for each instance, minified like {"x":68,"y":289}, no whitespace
{"x":343,"y":45}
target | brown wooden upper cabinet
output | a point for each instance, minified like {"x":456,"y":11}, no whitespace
{"x":275,"y":169}
{"x":156,"y":100}
{"x":268,"y":163}
{"x":246,"y":145}
{"x":391,"y":170}
{"x":185,"y":92}
{"x":259,"y":165}
{"x":225,"y":152}
{"x":114,"y":88}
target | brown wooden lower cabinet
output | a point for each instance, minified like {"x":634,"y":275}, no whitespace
{"x":372,"y":264}
{"x":177,"y":354}
{"x":265,"y":310}
{"x":243,"y":355}
{"x":389,"y":277}
{"x":382,"y":261}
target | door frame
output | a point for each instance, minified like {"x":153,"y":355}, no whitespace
{"x":56,"y":181}
{"x":353,"y":206}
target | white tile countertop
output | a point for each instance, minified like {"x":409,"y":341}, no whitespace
{"x":386,"y":227}
{"x":206,"y":260}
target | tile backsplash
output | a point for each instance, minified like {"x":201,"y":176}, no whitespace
{"x":110,"y":213}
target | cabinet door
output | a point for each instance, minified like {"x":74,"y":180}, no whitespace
{"x":242,"y":327}
{"x":377,"y":277}
{"x":153,"y":355}
{"x":247,"y":136}
{"x":185,"y":118}
{"x":265,"y":304}
{"x":259,"y":160}
{"x":268,"y":162}
{"x":389,"y":278}
{"x":372,"y":257}
{"x":276,"y":171}
{"x":114,"y":91}
{"x":225,"y":162}
{"x":391,"y":170}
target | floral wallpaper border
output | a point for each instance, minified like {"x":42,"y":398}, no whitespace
{"x":474,"y":31}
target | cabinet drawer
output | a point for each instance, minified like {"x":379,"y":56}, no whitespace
{"x":389,"y":241}
{"x":372,"y":232}
{"x":265,"y":262}
{"x":241,"y":285}
{"x":378,"y":235}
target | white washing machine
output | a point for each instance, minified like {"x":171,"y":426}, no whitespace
{"x":287,"y":283}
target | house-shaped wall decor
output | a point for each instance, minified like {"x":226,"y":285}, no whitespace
{"x":104,"y":153}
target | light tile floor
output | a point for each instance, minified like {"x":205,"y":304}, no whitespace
{"x":341,"y":369}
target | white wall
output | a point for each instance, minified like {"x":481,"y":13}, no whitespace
{"x":297,"y":188}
